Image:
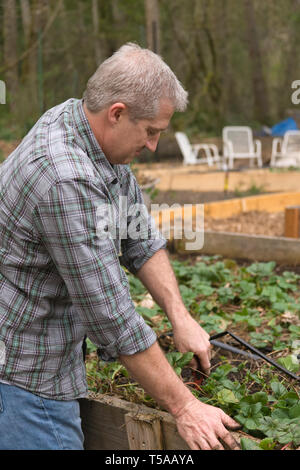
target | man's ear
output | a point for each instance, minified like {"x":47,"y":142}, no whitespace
{"x":115,"y":111}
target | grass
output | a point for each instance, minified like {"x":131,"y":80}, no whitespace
{"x":253,"y":190}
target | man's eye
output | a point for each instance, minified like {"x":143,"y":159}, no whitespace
{"x":151,"y":132}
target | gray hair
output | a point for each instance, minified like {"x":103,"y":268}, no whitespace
{"x":138,"y":78}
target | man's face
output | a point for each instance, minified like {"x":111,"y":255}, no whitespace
{"x":128,"y":138}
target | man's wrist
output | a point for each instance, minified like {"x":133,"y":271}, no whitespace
{"x":177,"y":315}
{"x":182,"y":403}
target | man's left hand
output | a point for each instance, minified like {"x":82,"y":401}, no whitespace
{"x":190,"y":336}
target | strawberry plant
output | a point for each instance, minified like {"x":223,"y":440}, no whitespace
{"x":258,"y":302}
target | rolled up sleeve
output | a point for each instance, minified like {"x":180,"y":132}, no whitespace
{"x":66,"y":219}
{"x":136,"y":251}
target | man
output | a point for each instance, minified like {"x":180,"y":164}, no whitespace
{"x":61,"y":279}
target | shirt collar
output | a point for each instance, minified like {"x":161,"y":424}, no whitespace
{"x":81,"y":123}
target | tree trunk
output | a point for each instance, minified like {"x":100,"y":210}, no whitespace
{"x":10,"y":51}
{"x":26,"y":20}
{"x":229,"y":100}
{"x":28,"y":72}
{"x":261,"y":102}
{"x":152,"y":25}
{"x":66,"y":40}
{"x":97,"y":47}
{"x":40,"y":19}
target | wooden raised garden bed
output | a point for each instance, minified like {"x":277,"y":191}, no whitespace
{"x":259,"y":303}
{"x":245,"y":228}
{"x":110,"y":423}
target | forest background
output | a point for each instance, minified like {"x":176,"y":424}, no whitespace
{"x":237,"y":58}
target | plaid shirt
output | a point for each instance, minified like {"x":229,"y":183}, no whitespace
{"x":59,"y":280}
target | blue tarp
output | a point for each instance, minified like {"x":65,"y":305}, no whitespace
{"x":282,"y":127}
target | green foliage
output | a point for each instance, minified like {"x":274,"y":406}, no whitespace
{"x":259,"y":302}
{"x":248,"y":444}
{"x":195,"y":31}
{"x":179,"y":360}
{"x":251,"y":191}
{"x":290,"y":363}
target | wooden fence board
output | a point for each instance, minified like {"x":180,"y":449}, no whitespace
{"x":241,"y":246}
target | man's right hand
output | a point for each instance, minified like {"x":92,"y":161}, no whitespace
{"x":201,"y":426}
{"x":206,"y":427}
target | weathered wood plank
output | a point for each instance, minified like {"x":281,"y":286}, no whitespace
{"x":221,"y":209}
{"x":104,"y":426}
{"x":143,"y":431}
{"x":292,"y":221}
{"x":252,"y":247}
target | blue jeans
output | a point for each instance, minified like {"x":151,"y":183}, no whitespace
{"x":30,"y":422}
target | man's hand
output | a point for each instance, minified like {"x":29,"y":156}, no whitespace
{"x":189,"y":336}
{"x":201,"y":426}
{"x":206,"y":427}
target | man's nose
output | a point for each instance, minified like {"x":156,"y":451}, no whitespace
{"x":152,"y":142}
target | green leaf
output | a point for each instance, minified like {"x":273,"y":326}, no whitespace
{"x":248,"y":444}
{"x":278,"y":389}
{"x":227,"y":396}
{"x":267,"y":444}
{"x":90,"y":346}
{"x":146,"y":312}
{"x":294,"y":412}
{"x":205,"y":290}
{"x":252,"y":423}
{"x":290,"y":363}
{"x":185,"y":359}
{"x":259,"y":397}
{"x":261,"y":269}
{"x":280,"y":413}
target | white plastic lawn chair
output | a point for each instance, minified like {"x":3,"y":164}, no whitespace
{"x":190,"y":151}
{"x":238,"y":143}
{"x":286,"y":151}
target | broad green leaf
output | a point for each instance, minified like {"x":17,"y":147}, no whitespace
{"x":248,"y":444}
{"x":205,"y":290}
{"x":227,"y":396}
{"x":278,"y":389}
{"x":294,"y":412}
{"x":280,"y":413}
{"x":290,"y":363}
{"x":146,"y":312}
{"x":252,"y":423}
{"x":185,"y":359}
{"x":267,"y":444}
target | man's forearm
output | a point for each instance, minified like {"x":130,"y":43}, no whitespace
{"x":152,"y":371}
{"x":158,"y":276}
